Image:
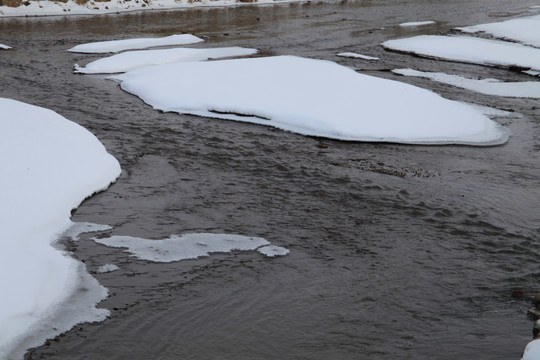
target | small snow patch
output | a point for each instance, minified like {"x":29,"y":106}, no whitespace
{"x":416,"y":23}
{"x":273,"y":250}
{"x":115,"y":46}
{"x":357,"y":56}
{"x":4,"y":47}
{"x":107,"y":268}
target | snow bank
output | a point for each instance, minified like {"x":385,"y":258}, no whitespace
{"x":526,"y":89}
{"x":70,"y":7}
{"x":115,"y":46}
{"x":416,"y":23}
{"x":189,"y":246}
{"x":525,"y":30}
{"x":49,"y":165}
{"x":357,"y":56}
{"x":311,"y":97}
{"x":469,"y":50}
{"x":532,"y":350}
{"x":133,"y":59}
{"x":4,"y":47}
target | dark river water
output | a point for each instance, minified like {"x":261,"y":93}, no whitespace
{"x":397,"y":251}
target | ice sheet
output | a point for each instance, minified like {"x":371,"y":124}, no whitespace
{"x":49,"y":165}
{"x":182,"y":247}
{"x":469,"y":50}
{"x":525,"y":30}
{"x":133,"y":59}
{"x":525,"y":89}
{"x":115,"y":46}
{"x":311,"y":97}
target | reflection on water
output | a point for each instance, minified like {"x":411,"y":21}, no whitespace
{"x":396,"y":251}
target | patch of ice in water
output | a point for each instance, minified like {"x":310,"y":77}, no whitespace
{"x":4,"y":47}
{"x":417,"y":23}
{"x":354,"y":55}
{"x":115,"y":46}
{"x":525,"y":89}
{"x":79,"y":228}
{"x":107,"y":268}
{"x":188,"y":246}
{"x":273,"y":250}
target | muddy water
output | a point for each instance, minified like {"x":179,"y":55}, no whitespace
{"x":397,"y":252}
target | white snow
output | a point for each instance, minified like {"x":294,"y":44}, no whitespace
{"x":311,"y":97}
{"x":273,"y":250}
{"x":107,"y":268}
{"x":79,"y":228}
{"x":532,"y":350}
{"x":49,"y":165}
{"x":469,"y":50}
{"x":134,"y":59}
{"x":525,"y":30}
{"x":357,"y":56}
{"x":70,"y":7}
{"x":115,"y":46}
{"x":526,"y":89}
{"x":4,"y":47}
{"x":188,"y":246}
{"x":416,"y":23}
{"x":532,"y":72}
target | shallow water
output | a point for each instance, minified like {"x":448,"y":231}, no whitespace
{"x":397,"y":252}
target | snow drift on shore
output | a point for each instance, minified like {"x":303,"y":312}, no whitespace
{"x":525,"y":89}
{"x":189,"y":246}
{"x":115,"y":46}
{"x":134,"y":59}
{"x":469,"y":50}
{"x":525,"y":30}
{"x":311,"y":97}
{"x":49,"y":165}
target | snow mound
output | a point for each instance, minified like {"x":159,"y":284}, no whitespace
{"x":49,"y":166}
{"x":525,"y":30}
{"x":134,"y":59}
{"x":526,"y":89}
{"x":469,"y":50}
{"x":417,"y":23}
{"x":189,"y":246}
{"x":273,"y":250}
{"x":115,"y":46}
{"x":353,"y":55}
{"x":311,"y":97}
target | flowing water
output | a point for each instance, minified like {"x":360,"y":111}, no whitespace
{"x":397,"y":252}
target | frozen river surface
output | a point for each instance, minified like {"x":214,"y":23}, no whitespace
{"x":396,"y":251}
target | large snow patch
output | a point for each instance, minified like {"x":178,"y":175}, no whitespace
{"x":469,"y":50}
{"x":49,"y":165}
{"x":311,"y":97}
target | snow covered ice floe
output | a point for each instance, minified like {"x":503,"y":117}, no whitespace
{"x":273,"y":250}
{"x":134,"y":59}
{"x":49,"y":166}
{"x":4,"y":47}
{"x":353,"y":55}
{"x":114,"y":46}
{"x":311,"y":97}
{"x":525,"y":30}
{"x":107,"y":268}
{"x":417,"y":23}
{"x":183,"y":247}
{"x":525,"y":89}
{"x":469,"y":50}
